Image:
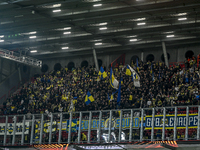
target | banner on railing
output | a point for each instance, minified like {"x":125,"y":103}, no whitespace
{"x":10,"y":128}
{"x":85,"y":124}
{"x":169,"y":121}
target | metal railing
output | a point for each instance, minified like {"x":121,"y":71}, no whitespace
{"x":106,"y":126}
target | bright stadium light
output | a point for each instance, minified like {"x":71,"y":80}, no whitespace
{"x":56,"y":10}
{"x":104,"y":28}
{"x":141,"y":23}
{"x":98,"y":43}
{"x":181,"y":19}
{"x":34,"y":32}
{"x":133,"y":40}
{"x":56,"y":5}
{"x":67,"y":28}
{"x":1,"y":36}
{"x":67,"y":33}
{"x":65,"y":47}
{"x":168,"y":32}
{"x":103,"y":24}
{"x":168,"y":36}
{"x":97,"y":5}
{"x":131,"y":36}
{"x":1,"y":40}
{"x":33,"y":51}
{"x":32,"y":37}
{"x":140,"y":19}
{"x":181,"y":14}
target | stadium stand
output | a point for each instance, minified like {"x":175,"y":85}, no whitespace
{"x":160,"y":86}
{"x":65,"y":91}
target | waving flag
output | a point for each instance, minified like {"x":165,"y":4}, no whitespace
{"x":114,"y":83}
{"x":134,"y":74}
{"x":128,"y":71}
{"x":102,"y":73}
{"x":89,"y":98}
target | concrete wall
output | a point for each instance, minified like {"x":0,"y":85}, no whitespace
{"x":12,"y":82}
{"x":176,"y":55}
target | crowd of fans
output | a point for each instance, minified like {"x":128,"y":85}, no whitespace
{"x":65,"y":90}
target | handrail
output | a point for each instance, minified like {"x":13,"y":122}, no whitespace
{"x":117,"y":58}
{"x":14,"y":87}
{"x":93,"y":111}
{"x":3,"y":96}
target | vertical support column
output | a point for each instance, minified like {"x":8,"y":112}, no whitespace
{"x":99,"y":127}
{"x":23,"y":130}
{"x":70,"y":128}
{"x":141,"y":128}
{"x":152,"y":124}
{"x":120,"y":126}
{"x":175,"y":123}
{"x":50,"y":132}
{"x":41,"y":128}
{"x":110,"y":124}
{"x":95,"y":59}
{"x":187,"y":118}
{"x":79,"y":128}
{"x":32,"y":130}
{"x":163,"y":129}
{"x":142,"y":56}
{"x":89,"y":128}
{"x":131,"y":126}
{"x":60,"y":128}
{"x":14,"y":130}
{"x":5,"y":134}
{"x":198,"y":123}
{"x":165,"y":54}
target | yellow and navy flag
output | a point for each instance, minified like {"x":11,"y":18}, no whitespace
{"x":89,"y":98}
{"x":102,"y":73}
{"x":128,"y":71}
{"x":73,"y":125}
{"x":113,"y":82}
{"x":134,"y":74}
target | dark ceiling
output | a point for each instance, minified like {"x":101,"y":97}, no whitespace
{"x":145,"y":22}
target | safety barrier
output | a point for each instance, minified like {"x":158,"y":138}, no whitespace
{"x":106,"y":126}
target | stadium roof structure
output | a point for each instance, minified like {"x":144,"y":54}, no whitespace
{"x":55,"y":28}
